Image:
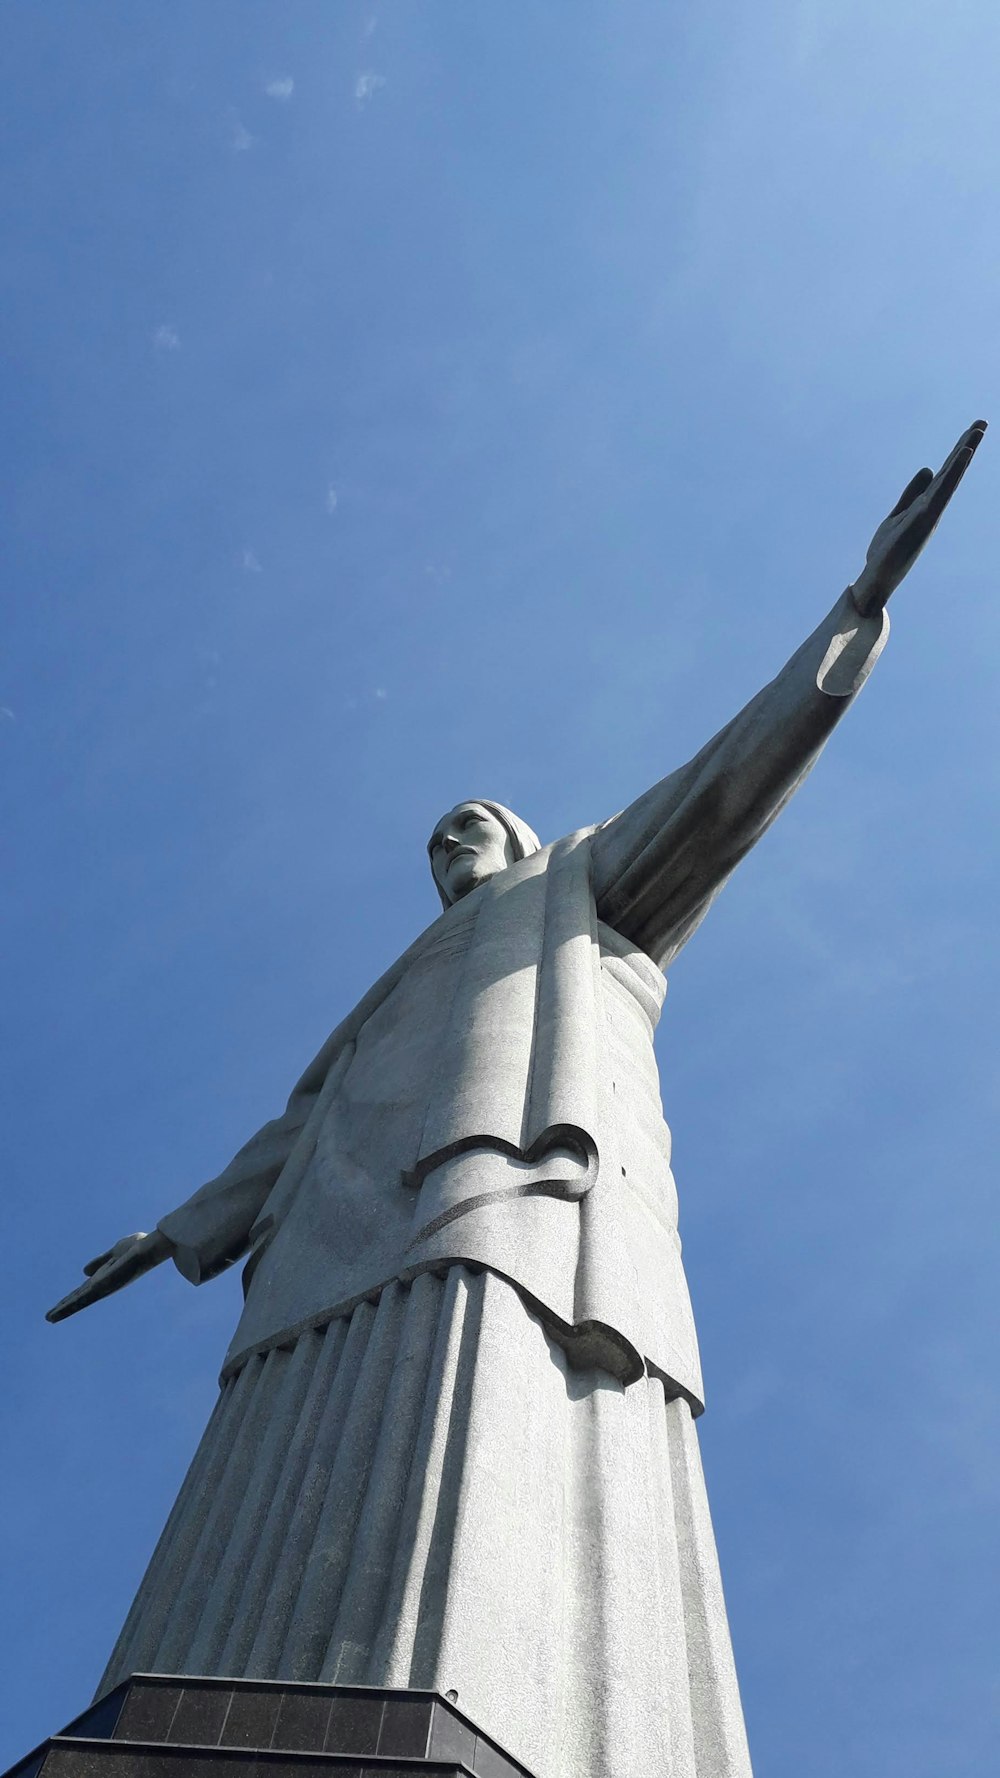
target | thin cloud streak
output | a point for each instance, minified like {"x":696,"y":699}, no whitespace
{"x":366,"y":86}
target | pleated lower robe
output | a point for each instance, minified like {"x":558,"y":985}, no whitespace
{"x":423,"y":1493}
{"x":406,"y":1482}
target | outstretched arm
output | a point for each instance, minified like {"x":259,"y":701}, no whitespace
{"x":208,"y":1232}
{"x":217,"y":1224}
{"x":659,"y":865}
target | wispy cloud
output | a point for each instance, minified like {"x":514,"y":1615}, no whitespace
{"x":250,"y":562}
{"x":366,"y":85}
{"x":281,"y":88}
{"x":378,"y":694}
{"x":240,"y":137}
{"x":437,"y":572}
{"x":166,"y":338}
{"x":332,"y":499}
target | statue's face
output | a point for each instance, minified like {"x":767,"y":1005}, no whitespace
{"x":468,"y":846}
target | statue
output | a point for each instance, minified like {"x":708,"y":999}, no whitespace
{"x":455,"y":1444}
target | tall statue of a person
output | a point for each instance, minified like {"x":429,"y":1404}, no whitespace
{"x":455,"y":1444}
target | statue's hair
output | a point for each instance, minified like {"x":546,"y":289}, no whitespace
{"x":524,"y":840}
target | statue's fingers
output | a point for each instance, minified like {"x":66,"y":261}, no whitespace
{"x":947,"y":481}
{"x":971,"y":437}
{"x":915,"y":486}
{"x":95,"y":1265}
{"x":970,"y":440}
{"x":118,"y":1251}
{"x":68,"y":1305}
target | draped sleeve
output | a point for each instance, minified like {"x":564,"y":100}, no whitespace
{"x":658,"y":866}
{"x":212,"y":1228}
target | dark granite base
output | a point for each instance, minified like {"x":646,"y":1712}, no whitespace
{"x":159,"y":1726}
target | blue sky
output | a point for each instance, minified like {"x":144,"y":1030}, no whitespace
{"x":418,"y":400}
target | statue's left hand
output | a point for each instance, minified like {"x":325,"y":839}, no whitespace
{"x":112,"y":1270}
{"x":900,"y":538}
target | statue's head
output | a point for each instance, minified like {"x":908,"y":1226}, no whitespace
{"x":474,"y":841}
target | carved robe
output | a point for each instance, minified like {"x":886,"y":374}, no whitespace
{"x":493,"y":1099}
{"x":467,"y":1341}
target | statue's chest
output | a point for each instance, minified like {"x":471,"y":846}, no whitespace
{"x":398,"y":1056}
{"x":397,"y":1050}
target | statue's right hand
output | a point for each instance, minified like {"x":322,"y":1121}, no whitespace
{"x":112,"y":1270}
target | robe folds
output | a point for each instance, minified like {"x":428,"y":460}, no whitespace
{"x":455,"y":1444}
{"x":493,"y":1100}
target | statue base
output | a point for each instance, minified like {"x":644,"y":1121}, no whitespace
{"x":158,"y":1725}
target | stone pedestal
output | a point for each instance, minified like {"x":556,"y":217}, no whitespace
{"x":163,"y":1726}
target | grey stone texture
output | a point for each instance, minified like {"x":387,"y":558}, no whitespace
{"x":455,"y":1447}
{"x":493,"y":1100}
{"x":427,"y":1494}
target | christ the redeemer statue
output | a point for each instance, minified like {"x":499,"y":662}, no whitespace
{"x":455,"y":1445}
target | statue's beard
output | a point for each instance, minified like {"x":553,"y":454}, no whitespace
{"x":470,"y":873}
